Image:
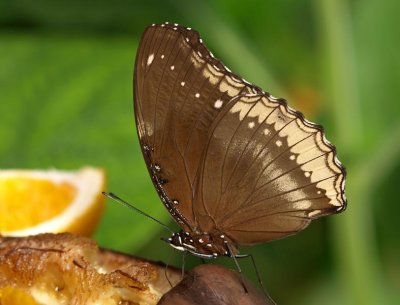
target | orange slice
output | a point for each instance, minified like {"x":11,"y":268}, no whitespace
{"x":15,"y":296}
{"x":38,"y":201}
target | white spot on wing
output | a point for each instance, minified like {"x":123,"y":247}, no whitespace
{"x":218,"y":104}
{"x":313,"y":213}
{"x":307,"y":174}
{"x":292,"y":157}
{"x":172,"y":68}
{"x":278,"y":143}
{"x":303,"y":204}
{"x":251,"y":124}
{"x":236,"y":79}
{"x":197,"y":95}
{"x":162,"y":56}
{"x":150,"y":59}
{"x":182,"y":84}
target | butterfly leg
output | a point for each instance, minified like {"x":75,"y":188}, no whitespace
{"x":166,"y":271}
{"x":258,"y":275}
{"x":237,"y":267}
{"x":183,"y":263}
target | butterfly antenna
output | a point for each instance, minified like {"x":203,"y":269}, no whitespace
{"x":130,"y":206}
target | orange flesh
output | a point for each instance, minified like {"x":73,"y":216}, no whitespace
{"x":25,"y":202}
{"x":15,"y":296}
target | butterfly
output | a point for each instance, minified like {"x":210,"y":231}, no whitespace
{"x":232,"y":164}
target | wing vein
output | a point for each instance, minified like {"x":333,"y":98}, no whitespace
{"x":159,"y":85}
{"x":255,"y":203}
{"x":171,"y":112}
{"x":198,"y":117}
{"x":261,"y":150}
{"x":289,"y":191}
{"x":242,"y":152}
{"x":285,"y":173}
{"x":247,"y":220}
{"x":261,"y":172}
{"x":229,"y":144}
{"x":215,"y":125}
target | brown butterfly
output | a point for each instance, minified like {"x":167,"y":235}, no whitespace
{"x":233,"y":165}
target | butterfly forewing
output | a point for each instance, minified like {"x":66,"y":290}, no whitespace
{"x":225,"y":156}
{"x":179,"y":90}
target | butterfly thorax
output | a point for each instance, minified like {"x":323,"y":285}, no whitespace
{"x":204,"y":245}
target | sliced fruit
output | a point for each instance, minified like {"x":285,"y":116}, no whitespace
{"x":39,"y":201}
{"x":61,"y":269}
{"x":16,"y":296}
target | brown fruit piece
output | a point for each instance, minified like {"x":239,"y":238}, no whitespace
{"x":213,"y":285}
{"x":67,"y":269}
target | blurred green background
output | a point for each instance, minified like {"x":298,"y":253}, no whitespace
{"x":66,"y":101}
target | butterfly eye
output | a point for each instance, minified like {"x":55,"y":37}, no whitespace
{"x":162,"y":181}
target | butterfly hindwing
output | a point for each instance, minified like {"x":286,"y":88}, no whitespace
{"x":267,"y":172}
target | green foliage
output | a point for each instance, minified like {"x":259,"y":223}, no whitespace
{"x":66,"y":101}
